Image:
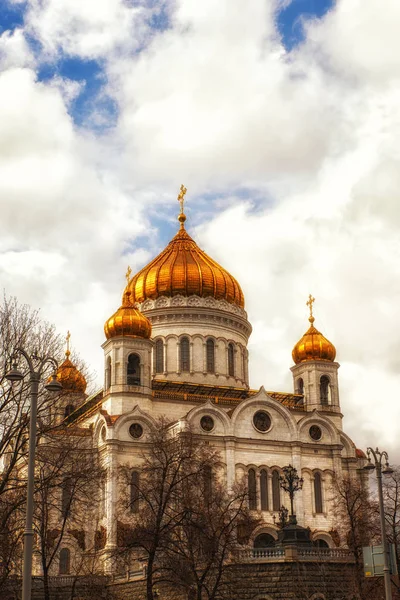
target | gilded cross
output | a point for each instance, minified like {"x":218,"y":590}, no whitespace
{"x":128,"y":274}
{"x":181,"y":196}
{"x":310,"y":303}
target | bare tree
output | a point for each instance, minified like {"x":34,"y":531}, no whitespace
{"x":201,"y":551}
{"x":173,"y":460}
{"x":19,"y":326}
{"x":68,"y":479}
{"x":358,"y":517}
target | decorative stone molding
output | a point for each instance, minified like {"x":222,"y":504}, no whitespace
{"x":207,"y":302}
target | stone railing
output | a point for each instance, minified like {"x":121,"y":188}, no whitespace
{"x":342,"y":554}
{"x":271,"y":554}
{"x":293,"y":553}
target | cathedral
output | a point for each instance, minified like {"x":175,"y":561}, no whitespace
{"x":177,"y":347}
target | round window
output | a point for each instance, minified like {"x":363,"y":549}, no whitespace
{"x":262,"y":421}
{"x":207,"y":423}
{"x":315,"y":432}
{"x":136,"y":431}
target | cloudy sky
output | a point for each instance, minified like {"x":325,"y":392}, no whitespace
{"x":282,"y":118}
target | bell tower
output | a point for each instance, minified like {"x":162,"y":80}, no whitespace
{"x":315,"y":373}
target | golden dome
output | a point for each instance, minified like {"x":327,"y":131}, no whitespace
{"x":184,"y":269}
{"x":127,"y":321}
{"x":69,"y":376}
{"x":313,"y":345}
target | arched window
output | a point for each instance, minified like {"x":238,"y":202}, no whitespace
{"x":324,"y":389}
{"x":300,"y":386}
{"x":134,"y":491}
{"x":133,"y":370}
{"x":318,"y":493}
{"x":231,"y":360}
{"x":207,"y":483}
{"x":66,"y":495}
{"x":68,"y":410}
{"x":210,"y":353}
{"x":108,"y":373}
{"x":65,"y":560}
{"x":252,"y":489}
{"x":185,"y":355}
{"x":264,"y":540}
{"x":276,"y":491}
{"x":264,"y":489}
{"x":159,"y":356}
{"x":320,"y":543}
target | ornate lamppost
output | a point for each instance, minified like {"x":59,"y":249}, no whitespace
{"x":291,"y":483}
{"x":378,"y":457}
{"x":36,"y":366}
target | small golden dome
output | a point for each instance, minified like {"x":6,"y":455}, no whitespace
{"x":127,"y":321}
{"x":313,"y":345}
{"x":69,"y":376}
{"x":184,"y":269}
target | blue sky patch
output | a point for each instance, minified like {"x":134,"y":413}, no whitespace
{"x":11,"y":16}
{"x":92,"y":108}
{"x":290,"y":19}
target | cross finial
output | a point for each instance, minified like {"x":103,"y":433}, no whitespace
{"x":181,"y":197}
{"x":310,"y":303}
{"x":67,"y":339}
{"x":128,"y":273}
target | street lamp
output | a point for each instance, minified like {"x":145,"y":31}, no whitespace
{"x":36,"y":366}
{"x":291,"y":483}
{"x":377,"y":464}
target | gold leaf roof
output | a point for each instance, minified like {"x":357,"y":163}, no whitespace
{"x":69,"y":376}
{"x":127,"y":321}
{"x":184,"y":269}
{"x":313,"y":346}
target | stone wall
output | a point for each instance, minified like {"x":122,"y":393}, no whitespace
{"x":267,"y":581}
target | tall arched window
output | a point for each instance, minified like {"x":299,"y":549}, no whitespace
{"x":133,"y":370}
{"x":159,"y":350}
{"x":210,"y":354}
{"x":134,"y":491}
{"x":264,"y":489}
{"x":185,"y":355}
{"x":68,"y":410}
{"x":318,"y":493}
{"x":252,"y":489}
{"x":276,"y":491}
{"x":207,"y":483}
{"x":108,"y":373}
{"x":324,"y":389}
{"x":300,"y":386}
{"x":231,"y":360}
{"x":65,"y":562}
{"x":66,"y":495}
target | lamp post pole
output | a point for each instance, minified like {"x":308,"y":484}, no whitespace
{"x":378,"y":456}
{"x":35,"y":373}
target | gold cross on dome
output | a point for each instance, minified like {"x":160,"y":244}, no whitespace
{"x":68,"y":338}
{"x":128,"y":273}
{"x":310,"y":303}
{"x":181,"y":197}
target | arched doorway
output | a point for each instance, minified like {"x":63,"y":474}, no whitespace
{"x":264,"y":540}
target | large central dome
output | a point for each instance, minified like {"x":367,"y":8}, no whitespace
{"x":183,"y":268}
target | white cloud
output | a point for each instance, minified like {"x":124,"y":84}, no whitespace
{"x":216,"y":102}
{"x":14,"y":50}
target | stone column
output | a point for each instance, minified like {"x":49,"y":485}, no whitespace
{"x":111,"y":507}
{"x":230,"y":462}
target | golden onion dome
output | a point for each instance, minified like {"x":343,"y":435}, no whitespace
{"x":313,"y":345}
{"x":184,"y":269}
{"x":69,"y":376}
{"x":127,"y":321}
